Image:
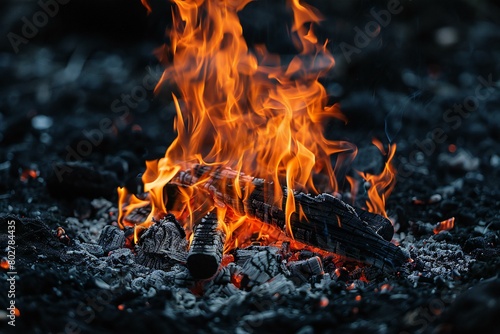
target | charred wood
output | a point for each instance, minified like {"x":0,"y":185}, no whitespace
{"x":381,"y":225}
{"x":205,"y":253}
{"x":260,"y":267}
{"x":138,"y":215}
{"x":242,"y":255}
{"x":302,"y":271}
{"x":162,"y":245}
{"x":111,"y":238}
{"x":322,"y":221}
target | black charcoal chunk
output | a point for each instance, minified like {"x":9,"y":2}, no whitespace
{"x":260,"y":268}
{"x":303,"y":271}
{"x":93,"y":249}
{"x":162,"y":245}
{"x":111,"y":238}
{"x":121,"y":256}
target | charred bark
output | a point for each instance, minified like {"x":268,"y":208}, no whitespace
{"x":205,"y":252}
{"x":162,"y":245}
{"x":322,"y":221}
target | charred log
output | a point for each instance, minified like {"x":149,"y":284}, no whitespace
{"x":322,"y":221}
{"x":205,"y":253}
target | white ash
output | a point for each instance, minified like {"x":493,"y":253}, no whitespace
{"x":449,"y":190}
{"x":227,"y":299}
{"x":177,"y":276}
{"x":103,"y":207}
{"x":78,"y":255}
{"x":123,"y":256}
{"x":279,"y":285}
{"x":439,"y":258}
{"x":105,"y":211}
{"x":93,"y":249}
{"x":93,"y":227}
{"x":460,"y":160}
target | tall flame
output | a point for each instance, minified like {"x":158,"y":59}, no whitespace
{"x":381,"y":185}
{"x":243,"y":108}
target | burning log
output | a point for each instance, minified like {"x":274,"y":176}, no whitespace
{"x":205,"y":253}
{"x":162,"y":245}
{"x":322,"y":221}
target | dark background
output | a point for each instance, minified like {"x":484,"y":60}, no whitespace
{"x":110,"y":43}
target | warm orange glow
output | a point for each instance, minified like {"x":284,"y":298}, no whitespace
{"x":381,"y":185}
{"x":146,"y":4}
{"x":385,"y":288}
{"x":60,"y":232}
{"x":28,"y":174}
{"x":236,"y":280}
{"x":445,"y":225}
{"x":244,"y":109}
{"x":4,"y":264}
{"x":227,"y":259}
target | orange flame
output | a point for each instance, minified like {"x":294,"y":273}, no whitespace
{"x":381,"y":185}
{"x":244,"y":109}
{"x":445,"y":225}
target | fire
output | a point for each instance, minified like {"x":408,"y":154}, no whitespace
{"x":444,"y":225}
{"x":245,"y":109}
{"x":381,"y":185}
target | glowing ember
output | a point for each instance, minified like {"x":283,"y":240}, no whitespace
{"x":445,"y":225}
{"x":4,"y":264}
{"x":385,"y":288}
{"x":245,"y":110}
{"x":28,"y":173}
